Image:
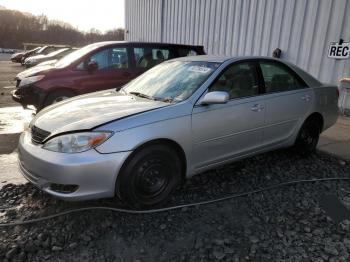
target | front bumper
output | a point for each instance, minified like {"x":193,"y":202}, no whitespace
{"x":26,"y":96}
{"x":93,"y":173}
{"x":23,"y":98}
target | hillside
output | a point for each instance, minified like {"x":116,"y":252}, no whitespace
{"x":17,"y":27}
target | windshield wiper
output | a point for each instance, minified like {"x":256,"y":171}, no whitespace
{"x":141,"y":95}
{"x":165,"y":100}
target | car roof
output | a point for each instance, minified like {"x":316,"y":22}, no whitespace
{"x":308,"y":78}
{"x":105,"y":43}
{"x":222,"y":58}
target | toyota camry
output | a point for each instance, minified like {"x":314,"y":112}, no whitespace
{"x":178,"y":119}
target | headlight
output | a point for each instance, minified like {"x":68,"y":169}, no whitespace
{"x":77,"y":142}
{"x":30,"y":80}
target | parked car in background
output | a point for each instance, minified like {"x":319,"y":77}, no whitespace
{"x":17,"y":57}
{"x":28,"y":53}
{"x":55,"y":55}
{"x":179,"y":119}
{"x":38,"y":51}
{"x":8,"y":51}
{"x":92,"y":68}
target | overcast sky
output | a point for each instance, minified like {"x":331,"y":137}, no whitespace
{"x":101,"y":14}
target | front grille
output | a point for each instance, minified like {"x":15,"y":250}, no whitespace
{"x":18,"y":81}
{"x":38,"y":135}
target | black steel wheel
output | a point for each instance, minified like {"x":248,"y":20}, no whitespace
{"x":149,"y":177}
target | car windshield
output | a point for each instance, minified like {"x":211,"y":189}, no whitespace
{"x":72,"y":57}
{"x":171,"y":81}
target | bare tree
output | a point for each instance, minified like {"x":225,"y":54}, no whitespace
{"x":17,"y":27}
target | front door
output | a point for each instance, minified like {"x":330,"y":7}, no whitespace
{"x":225,"y":131}
{"x":112,"y":70}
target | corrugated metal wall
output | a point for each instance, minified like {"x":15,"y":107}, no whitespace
{"x":303,"y":29}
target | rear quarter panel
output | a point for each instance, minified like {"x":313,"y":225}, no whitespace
{"x":326,"y":103}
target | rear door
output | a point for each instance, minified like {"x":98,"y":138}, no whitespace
{"x":224,"y":131}
{"x":288,"y":100}
{"x":112,"y":70}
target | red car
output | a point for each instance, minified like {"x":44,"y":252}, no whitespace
{"x":92,"y":68}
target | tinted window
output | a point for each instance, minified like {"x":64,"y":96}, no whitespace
{"x":239,"y":80}
{"x":278,"y":78}
{"x":186,"y":52}
{"x":147,"y":57}
{"x":112,"y":58}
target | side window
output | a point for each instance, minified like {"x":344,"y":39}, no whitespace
{"x":239,"y":80}
{"x":119,"y":58}
{"x":112,"y":58}
{"x":278,"y":78}
{"x":186,"y":52}
{"x":147,"y":57}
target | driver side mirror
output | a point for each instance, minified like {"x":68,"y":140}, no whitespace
{"x":215,"y":97}
{"x":92,"y":66}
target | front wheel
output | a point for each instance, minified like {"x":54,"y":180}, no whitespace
{"x":149,"y":177}
{"x":308,"y":137}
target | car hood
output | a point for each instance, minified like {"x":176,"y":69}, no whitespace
{"x":17,"y":54}
{"x":37,"y":57}
{"x":49,"y":62}
{"x":35,"y":71}
{"x":91,"y":110}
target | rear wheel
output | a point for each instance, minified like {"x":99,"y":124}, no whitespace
{"x":308,"y":137}
{"x":57,"y":96}
{"x":149,"y":177}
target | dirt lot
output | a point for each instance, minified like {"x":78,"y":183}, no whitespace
{"x":303,"y":222}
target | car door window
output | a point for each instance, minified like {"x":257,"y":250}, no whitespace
{"x":111,"y":58}
{"x":278,"y":78}
{"x":147,"y":57}
{"x":186,"y":52}
{"x":238,"y":80}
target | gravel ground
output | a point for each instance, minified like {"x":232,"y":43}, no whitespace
{"x":285,"y":224}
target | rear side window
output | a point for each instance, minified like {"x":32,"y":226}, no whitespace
{"x":186,"y":52}
{"x":147,"y":57}
{"x":278,"y":78}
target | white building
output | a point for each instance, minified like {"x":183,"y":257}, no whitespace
{"x":302,"y":29}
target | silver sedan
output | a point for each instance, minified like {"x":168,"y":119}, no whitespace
{"x":178,"y":119}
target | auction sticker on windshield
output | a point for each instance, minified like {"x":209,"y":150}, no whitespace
{"x":199,"y":69}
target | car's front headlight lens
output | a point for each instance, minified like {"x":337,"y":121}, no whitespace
{"x":77,"y":142}
{"x":30,"y":80}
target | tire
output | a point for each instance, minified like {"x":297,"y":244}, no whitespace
{"x":149,"y":177}
{"x":57,"y":96}
{"x":308,"y":137}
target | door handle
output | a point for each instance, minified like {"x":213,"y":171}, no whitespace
{"x":257,"y":108}
{"x":306,"y":98}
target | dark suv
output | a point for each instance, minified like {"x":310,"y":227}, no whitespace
{"x":92,"y":68}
